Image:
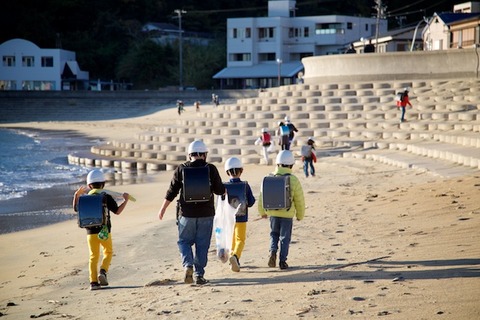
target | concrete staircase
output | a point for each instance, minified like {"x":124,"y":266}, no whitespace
{"x":442,"y":134}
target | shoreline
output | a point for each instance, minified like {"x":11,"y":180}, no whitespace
{"x":376,"y":241}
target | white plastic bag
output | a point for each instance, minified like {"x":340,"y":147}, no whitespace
{"x":258,"y":141}
{"x":224,"y":224}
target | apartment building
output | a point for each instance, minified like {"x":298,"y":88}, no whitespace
{"x":267,"y":51}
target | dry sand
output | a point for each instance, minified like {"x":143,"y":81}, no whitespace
{"x":377,"y":242}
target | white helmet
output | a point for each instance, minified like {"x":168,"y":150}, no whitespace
{"x":95,"y":176}
{"x":285,"y":157}
{"x":264,"y":130}
{"x":287,"y":118}
{"x":311,"y":138}
{"x":233,"y":163}
{"x":197,"y":146}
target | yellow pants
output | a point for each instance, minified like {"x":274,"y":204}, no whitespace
{"x":239,"y":237}
{"x":94,"y":247}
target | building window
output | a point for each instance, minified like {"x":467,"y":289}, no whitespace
{"x":47,"y":61}
{"x":306,"y":32}
{"x":38,"y":85}
{"x":248,"y":33}
{"x":28,"y":61}
{"x":366,"y":26}
{"x":264,"y":33}
{"x":240,"y":57}
{"x":234,"y":33}
{"x":268,"y":56}
{"x":329,"y":28}
{"x":9,"y":61}
{"x":349,"y":25}
{"x":8,"y":85}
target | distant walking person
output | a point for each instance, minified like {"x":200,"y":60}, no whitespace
{"x":266,"y":141}
{"x":369,"y":48}
{"x":309,"y":157}
{"x":351,"y":49}
{"x":291,"y":131}
{"x":402,"y":102}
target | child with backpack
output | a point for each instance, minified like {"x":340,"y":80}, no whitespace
{"x":309,"y":157}
{"x":281,"y":216}
{"x":99,"y":235}
{"x":240,"y":196}
{"x":266,"y":141}
{"x":283,"y":132}
{"x":402,"y":102}
{"x":197,"y":181}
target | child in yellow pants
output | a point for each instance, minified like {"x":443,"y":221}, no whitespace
{"x":240,"y":201}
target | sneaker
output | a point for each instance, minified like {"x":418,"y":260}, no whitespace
{"x":201,"y":280}
{"x":234,"y":263}
{"x":95,"y":286}
{"x":283,"y":265}
{"x":188,"y":275}
{"x":272,"y":261}
{"x":102,"y":278}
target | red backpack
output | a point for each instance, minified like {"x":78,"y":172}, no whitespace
{"x":266,"y":137}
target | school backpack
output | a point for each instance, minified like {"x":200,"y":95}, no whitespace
{"x":266,"y":137}
{"x":399,"y":98}
{"x":276,"y":192}
{"x":284,"y":130}
{"x":306,"y":151}
{"x":196,"y":184}
{"x":237,"y":196}
{"x":92,"y":210}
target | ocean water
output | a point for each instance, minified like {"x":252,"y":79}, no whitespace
{"x":36,"y":181}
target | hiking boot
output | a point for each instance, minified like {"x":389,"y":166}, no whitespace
{"x":95,"y":286}
{"x":234,"y":263}
{"x":283,"y":265}
{"x":188,"y":275}
{"x":102,"y":278}
{"x":272,"y":261}
{"x":201,"y":280}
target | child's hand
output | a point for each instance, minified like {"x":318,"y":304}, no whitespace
{"x":82,"y":190}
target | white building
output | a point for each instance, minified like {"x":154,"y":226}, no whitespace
{"x":25,"y":66}
{"x":453,"y":30}
{"x":267,"y":51}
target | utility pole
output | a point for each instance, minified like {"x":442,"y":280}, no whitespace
{"x":380,"y":15}
{"x":180,"y":45}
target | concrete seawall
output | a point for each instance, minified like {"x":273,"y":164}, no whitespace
{"x":26,"y":106}
{"x":424,"y":65}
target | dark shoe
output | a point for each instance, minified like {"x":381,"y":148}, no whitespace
{"x":95,"y":286}
{"x":272,"y":261}
{"x":102,"y":278}
{"x":234,"y":263}
{"x":201,"y":280}
{"x":188,"y":275}
{"x":283,"y":265}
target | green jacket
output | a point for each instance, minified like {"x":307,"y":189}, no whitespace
{"x":298,"y":200}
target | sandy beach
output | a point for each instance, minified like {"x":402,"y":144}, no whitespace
{"x":377,"y":242}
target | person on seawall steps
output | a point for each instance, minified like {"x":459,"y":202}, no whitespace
{"x":402,"y":103}
{"x":95,"y":235}
{"x":265,"y":140}
{"x":291,"y":132}
{"x":195,"y":209}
